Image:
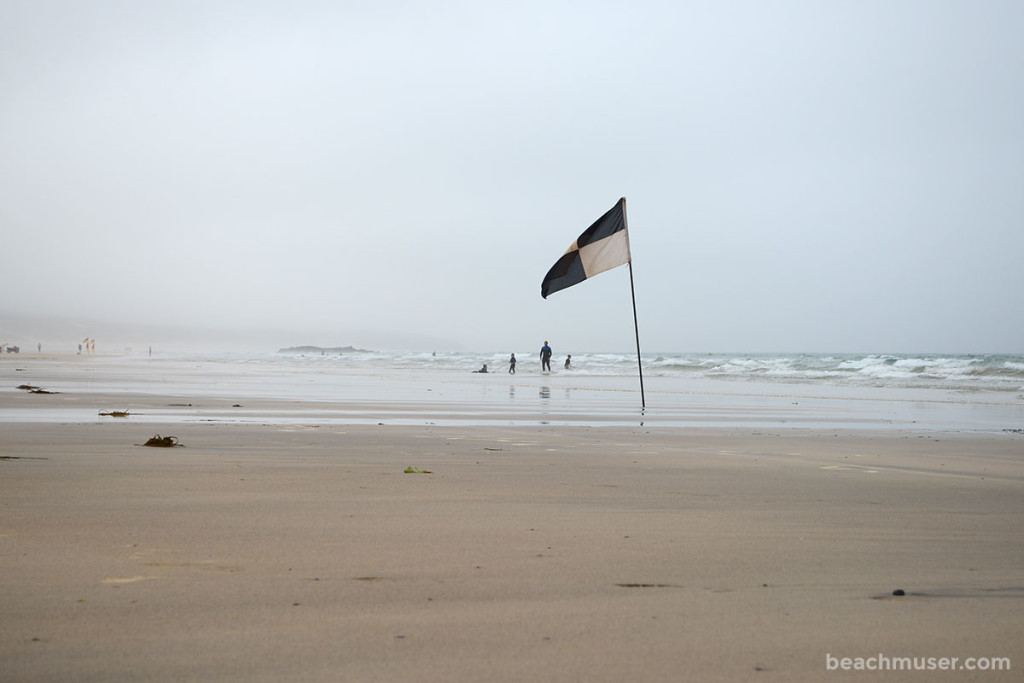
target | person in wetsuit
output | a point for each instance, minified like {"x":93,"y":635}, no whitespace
{"x":545,"y":357}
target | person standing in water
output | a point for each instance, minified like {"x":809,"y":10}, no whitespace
{"x":512,"y":365}
{"x":545,"y":357}
{"x":568,"y":359}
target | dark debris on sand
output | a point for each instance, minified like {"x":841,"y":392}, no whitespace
{"x":163,"y":441}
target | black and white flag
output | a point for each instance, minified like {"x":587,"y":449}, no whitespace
{"x":602,"y":246}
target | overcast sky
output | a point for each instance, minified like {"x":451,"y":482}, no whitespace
{"x":800,"y":176}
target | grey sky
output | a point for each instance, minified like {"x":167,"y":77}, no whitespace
{"x":800,"y":176}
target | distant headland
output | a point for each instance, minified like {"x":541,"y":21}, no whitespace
{"x":322,"y":349}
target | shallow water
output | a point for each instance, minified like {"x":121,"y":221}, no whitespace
{"x":238,"y":390}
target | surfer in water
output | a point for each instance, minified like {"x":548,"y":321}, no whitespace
{"x":545,"y":357}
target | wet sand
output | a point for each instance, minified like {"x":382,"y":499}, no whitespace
{"x":281,"y":551}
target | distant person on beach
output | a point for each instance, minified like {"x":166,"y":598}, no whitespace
{"x":512,"y":365}
{"x":545,"y":357}
{"x":483,"y":369}
{"x":568,"y":359}
{"x":40,"y":347}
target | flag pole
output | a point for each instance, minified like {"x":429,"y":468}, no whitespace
{"x":632,"y":294}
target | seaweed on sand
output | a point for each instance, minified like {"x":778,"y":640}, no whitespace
{"x":163,"y":441}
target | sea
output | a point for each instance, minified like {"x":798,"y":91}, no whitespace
{"x":958,"y":392}
{"x":947,"y":372}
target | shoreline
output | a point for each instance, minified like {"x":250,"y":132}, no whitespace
{"x":246,"y":393}
{"x":301,"y":530}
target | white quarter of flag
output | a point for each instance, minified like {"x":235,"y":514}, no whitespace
{"x":611,"y":252}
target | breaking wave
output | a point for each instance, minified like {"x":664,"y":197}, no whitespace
{"x":963,"y":372}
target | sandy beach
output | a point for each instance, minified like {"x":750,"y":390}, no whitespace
{"x":305,"y":550}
